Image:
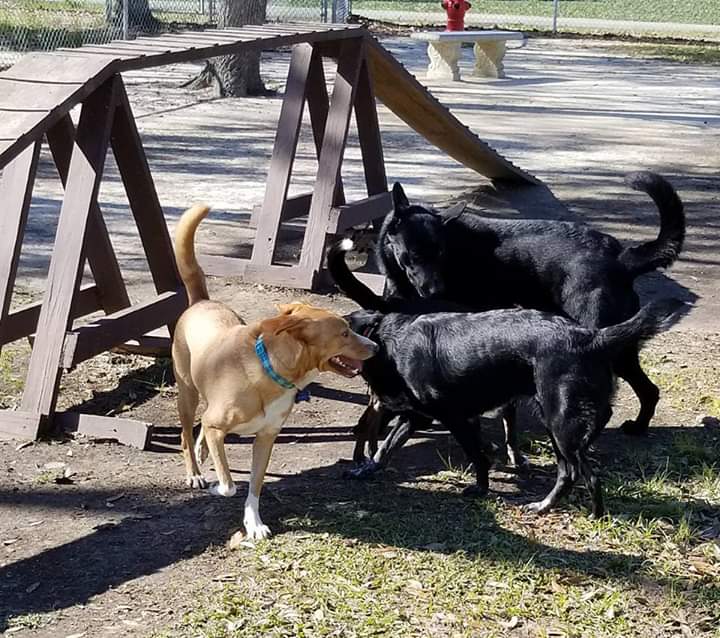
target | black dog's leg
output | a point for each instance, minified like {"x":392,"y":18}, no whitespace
{"x":401,"y":427}
{"x":468,"y":436}
{"x":517,"y":459}
{"x":563,"y":485}
{"x":566,"y":476}
{"x":593,"y":486}
{"x":368,"y":430}
{"x":627,"y":367}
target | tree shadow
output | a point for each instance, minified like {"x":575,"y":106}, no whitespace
{"x":398,"y":509}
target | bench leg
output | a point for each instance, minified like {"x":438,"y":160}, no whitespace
{"x":489,"y":59}
{"x":444,"y":57}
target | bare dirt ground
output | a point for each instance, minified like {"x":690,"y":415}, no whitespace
{"x":97,"y":539}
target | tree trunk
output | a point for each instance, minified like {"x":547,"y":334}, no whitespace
{"x":239,"y":75}
{"x":140,"y":18}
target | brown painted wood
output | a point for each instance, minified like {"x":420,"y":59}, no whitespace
{"x":156,"y":343}
{"x":295,"y":206}
{"x":221,"y":266}
{"x":263,"y":43}
{"x":73,"y":79}
{"x":318,"y":106}
{"x":283,"y":155}
{"x":144,"y":203}
{"x":75,"y":76}
{"x":106,"y":332}
{"x":359,"y":212}
{"x":15,"y":194}
{"x":84,"y":175}
{"x":108,"y":428}
{"x":23,"y":321}
{"x":369,"y":134}
{"x":98,"y":248}
{"x":15,"y":424}
{"x":275,"y":274}
{"x":331,"y":154}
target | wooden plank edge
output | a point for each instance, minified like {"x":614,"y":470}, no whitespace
{"x":23,"y":321}
{"x":15,"y":424}
{"x":117,"y":328}
{"x":106,"y":428}
{"x":359,"y":212}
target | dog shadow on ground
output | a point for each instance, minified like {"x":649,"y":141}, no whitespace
{"x":413,"y":507}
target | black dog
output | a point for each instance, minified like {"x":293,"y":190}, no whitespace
{"x":377,"y":419}
{"x":560,"y":267}
{"x":453,"y":366}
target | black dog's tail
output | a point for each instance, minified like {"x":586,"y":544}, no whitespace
{"x":347,"y":282}
{"x":663,"y":251}
{"x":647,"y":322}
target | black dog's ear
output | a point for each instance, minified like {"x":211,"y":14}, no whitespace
{"x":400,"y":200}
{"x":453,"y":212}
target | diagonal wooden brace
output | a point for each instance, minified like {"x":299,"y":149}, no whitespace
{"x":83,"y":181}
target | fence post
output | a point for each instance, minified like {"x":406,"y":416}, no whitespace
{"x":556,"y":6}
{"x":125,"y":19}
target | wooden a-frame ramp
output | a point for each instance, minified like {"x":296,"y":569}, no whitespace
{"x":36,"y":96}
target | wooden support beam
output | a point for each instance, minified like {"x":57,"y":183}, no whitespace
{"x":331,"y":154}
{"x":84,"y":175}
{"x":369,"y":134}
{"x":15,"y":195}
{"x":359,"y":212}
{"x":108,"y":428}
{"x":318,"y":107}
{"x":273,"y":274}
{"x":283,"y":155}
{"x":295,"y":206}
{"x":23,"y":321}
{"x":100,"y":254}
{"x":144,"y":203}
{"x":113,"y":330}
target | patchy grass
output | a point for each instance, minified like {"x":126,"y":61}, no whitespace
{"x":687,"y":53}
{"x":688,"y":389}
{"x":423,"y":561}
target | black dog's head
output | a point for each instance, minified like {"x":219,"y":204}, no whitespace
{"x":364,"y":322}
{"x":415,"y":242}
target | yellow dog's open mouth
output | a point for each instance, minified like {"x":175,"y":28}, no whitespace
{"x":345,"y":366}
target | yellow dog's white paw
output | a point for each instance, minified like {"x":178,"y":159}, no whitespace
{"x":196,"y":481}
{"x":218,"y":489}
{"x":256,"y":531}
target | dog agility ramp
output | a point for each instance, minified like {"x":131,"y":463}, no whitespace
{"x":399,"y":91}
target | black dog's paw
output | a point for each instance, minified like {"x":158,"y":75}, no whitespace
{"x":633,"y":428}
{"x":365,"y":471}
{"x":519,"y":462}
{"x":539,"y":507}
{"x":475,"y":491}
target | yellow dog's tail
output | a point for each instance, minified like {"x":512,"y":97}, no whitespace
{"x":190,"y":272}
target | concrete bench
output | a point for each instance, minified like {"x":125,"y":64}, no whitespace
{"x":444,"y":52}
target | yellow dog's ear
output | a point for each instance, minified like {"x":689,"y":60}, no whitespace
{"x":281,"y":323}
{"x":290,"y":308}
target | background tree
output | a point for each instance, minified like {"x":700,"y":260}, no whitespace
{"x":140,"y":17}
{"x":236,"y":75}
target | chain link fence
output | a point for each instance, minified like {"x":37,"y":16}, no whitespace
{"x":43,"y":25}
{"x":688,"y":19}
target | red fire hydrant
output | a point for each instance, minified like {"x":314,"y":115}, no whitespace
{"x":456,"y":10}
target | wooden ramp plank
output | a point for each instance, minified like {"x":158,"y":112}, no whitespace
{"x":416,"y":106}
{"x":73,"y":79}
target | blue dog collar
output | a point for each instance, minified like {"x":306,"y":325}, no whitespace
{"x":262,"y":353}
